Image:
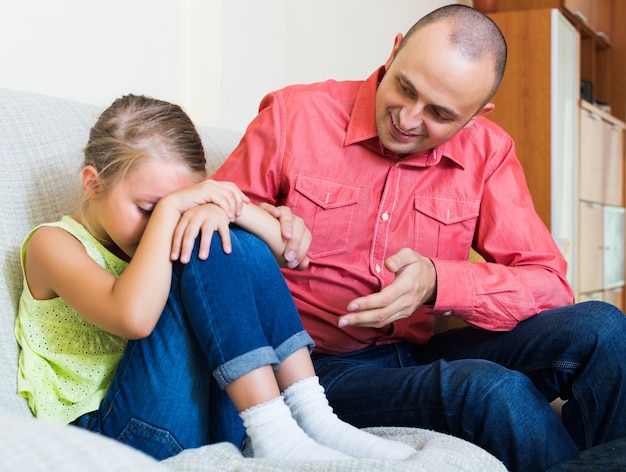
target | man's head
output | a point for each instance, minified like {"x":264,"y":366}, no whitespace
{"x":439,"y":78}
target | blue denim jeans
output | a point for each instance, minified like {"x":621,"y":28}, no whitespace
{"x":494,"y":388}
{"x":224,"y":317}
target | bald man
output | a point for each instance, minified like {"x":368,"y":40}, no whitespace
{"x":397,"y":177}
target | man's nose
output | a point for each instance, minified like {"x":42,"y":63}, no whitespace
{"x":411,"y":117}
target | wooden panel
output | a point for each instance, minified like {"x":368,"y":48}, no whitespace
{"x":509,"y":5}
{"x":581,"y":9}
{"x":523,"y":100}
{"x":601,"y":12}
{"x":616,"y":63}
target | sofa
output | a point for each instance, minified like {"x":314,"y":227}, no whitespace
{"x":41,"y":141}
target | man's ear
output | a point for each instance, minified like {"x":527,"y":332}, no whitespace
{"x":394,"y":51}
{"x":90,"y":182}
{"x":487,"y":108}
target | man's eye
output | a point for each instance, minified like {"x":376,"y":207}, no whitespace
{"x":439,"y":116}
{"x":406,"y":90}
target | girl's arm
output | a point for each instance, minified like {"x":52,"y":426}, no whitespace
{"x":258,"y":221}
{"x":129,"y":306}
{"x":252,"y":218}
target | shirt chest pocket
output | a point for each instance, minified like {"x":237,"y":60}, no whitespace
{"x":328,"y":210}
{"x":444,"y":227}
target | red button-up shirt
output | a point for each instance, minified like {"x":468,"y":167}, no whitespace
{"x":315,"y":149}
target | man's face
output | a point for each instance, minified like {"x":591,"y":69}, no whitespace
{"x":429,"y":92}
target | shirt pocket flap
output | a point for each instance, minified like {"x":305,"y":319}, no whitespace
{"x":327,"y":194}
{"x":447,"y":210}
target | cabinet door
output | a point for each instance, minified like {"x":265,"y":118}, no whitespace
{"x":591,"y":248}
{"x":613,"y":164}
{"x":613,"y":239}
{"x":591,"y":156}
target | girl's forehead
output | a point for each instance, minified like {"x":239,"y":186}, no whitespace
{"x":155,"y":178}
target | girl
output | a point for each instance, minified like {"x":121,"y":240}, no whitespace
{"x":117,"y":338}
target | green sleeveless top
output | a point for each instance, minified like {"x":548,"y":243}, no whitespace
{"x":65,"y":364}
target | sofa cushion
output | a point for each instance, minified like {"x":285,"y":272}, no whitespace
{"x":436,"y":452}
{"x":36,"y":445}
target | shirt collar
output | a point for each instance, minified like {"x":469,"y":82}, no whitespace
{"x":362,"y":127}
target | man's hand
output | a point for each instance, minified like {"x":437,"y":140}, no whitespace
{"x":414,"y":285}
{"x":296,"y":234}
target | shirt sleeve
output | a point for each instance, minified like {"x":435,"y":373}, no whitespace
{"x":524,"y":272}
{"x":255,"y":164}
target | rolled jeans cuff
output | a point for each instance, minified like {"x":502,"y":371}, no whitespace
{"x":249,"y":361}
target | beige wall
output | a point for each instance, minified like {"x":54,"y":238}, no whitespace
{"x":217,"y":58}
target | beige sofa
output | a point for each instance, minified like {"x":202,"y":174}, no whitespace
{"x":41,"y":139}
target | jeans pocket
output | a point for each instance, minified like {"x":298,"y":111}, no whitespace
{"x":156,"y":442}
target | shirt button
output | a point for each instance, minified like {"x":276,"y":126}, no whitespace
{"x":385,"y":216}
{"x":447,"y":313}
{"x":377,"y":269}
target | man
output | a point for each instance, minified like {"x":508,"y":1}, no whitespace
{"x":397,"y":177}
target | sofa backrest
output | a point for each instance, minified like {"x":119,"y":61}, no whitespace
{"x":41,"y":142}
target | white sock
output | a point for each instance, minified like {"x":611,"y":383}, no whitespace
{"x":274,"y":433}
{"x":310,"y":408}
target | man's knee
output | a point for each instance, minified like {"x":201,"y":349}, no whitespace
{"x":595,"y":321}
{"x":489,"y":381}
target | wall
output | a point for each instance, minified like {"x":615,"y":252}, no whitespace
{"x":280,"y":42}
{"x":217,"y":58}
{"x":94,"y":51}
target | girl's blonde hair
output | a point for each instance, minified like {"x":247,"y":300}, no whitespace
{"x":134,"y":128}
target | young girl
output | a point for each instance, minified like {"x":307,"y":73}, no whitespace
{"x":117,"y":338}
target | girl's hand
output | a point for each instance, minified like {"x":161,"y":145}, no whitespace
{"x":207,"y":218}
{"x":225,"y":195}
{"x":225,"y":203}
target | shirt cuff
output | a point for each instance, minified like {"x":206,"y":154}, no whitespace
{"x":455,"y":288}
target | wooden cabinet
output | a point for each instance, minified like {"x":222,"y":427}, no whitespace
{"x":601,"y":211}
{"x":572,"y":151}
{"x":537,"y":104}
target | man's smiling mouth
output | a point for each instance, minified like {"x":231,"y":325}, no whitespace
{"x":401,"y":131}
